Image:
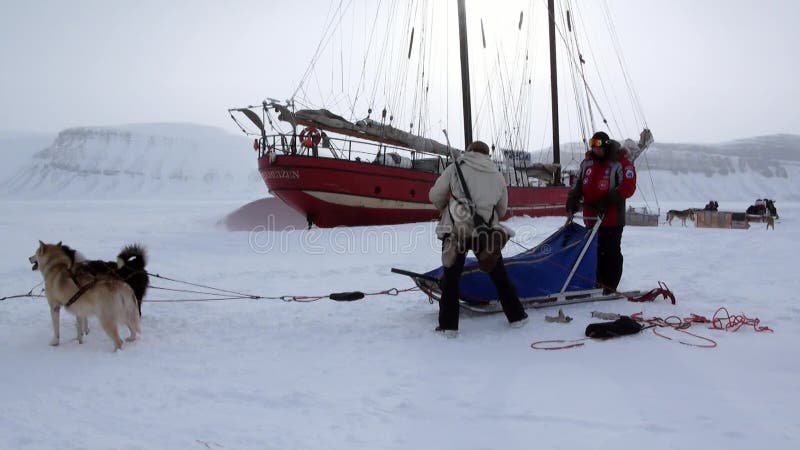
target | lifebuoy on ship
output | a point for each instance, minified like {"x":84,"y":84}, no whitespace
{"x":256,"y":145}
{"x":310,"y":137}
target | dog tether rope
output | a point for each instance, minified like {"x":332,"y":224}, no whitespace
{"x":239,"y":294}
{"x":29,"y":294}
{"x":224,"y":294}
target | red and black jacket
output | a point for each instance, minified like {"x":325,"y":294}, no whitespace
{"x":604,"y":185}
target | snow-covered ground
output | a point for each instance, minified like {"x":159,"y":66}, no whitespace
{"x":371,"y":374}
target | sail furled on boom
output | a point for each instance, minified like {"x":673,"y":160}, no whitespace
{"x":365,"y":129}
{"x":253,"y":117}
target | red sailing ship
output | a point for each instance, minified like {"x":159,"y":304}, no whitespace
{"x":367,"y":172}
{"x":363,"y":178}
{"x":333,"y":192}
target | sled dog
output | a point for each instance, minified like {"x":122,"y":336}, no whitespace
{"x":683,"y":215}
{"x":85,"y":294}
{"x":129,"y":267}
{"x":770,"y":222}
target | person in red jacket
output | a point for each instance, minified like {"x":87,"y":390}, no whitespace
{"x":605,"y":180}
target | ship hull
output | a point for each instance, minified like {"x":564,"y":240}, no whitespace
{"x":335,"y":192}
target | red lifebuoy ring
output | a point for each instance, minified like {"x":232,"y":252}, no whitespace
{"x":310,"y":137}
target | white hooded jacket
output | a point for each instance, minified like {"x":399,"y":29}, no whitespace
{"x":486,"y":186}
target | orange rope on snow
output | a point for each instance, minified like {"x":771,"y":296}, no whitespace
{"x":727,"y":322}
{"x":734,"y":322}
{"x":710,"y":342}
{"x":721,"y":320}
{"x":653,"y":294}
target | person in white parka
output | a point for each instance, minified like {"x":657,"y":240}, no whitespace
{"x":460,"y":233}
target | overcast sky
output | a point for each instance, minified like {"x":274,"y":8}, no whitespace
{"x":705,"y":71}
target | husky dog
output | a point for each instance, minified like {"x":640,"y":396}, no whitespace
{"x":129,"y":267}
{"x":85,"y":294}
{"x":683,"y":215}
{"x":770,"y":222}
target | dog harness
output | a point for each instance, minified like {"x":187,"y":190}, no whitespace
{"x":81,"y":289}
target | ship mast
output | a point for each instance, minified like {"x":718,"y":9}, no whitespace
{"x":551,"y":13}
{"x":465,"y":97}
{"x":465,"y":89}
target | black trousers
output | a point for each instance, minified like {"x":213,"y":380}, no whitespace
{"x":448,"y":304}
{"x":609,"y":257}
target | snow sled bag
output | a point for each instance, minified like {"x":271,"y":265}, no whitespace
{"x":538,"y":272}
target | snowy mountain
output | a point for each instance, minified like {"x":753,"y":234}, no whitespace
{"x":187,"y":160}
{"x":765,"y":166}
{"x":163,"y":159}
{"x":17,"y":148}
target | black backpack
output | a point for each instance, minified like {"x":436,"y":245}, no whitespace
{"x":620,"y":327}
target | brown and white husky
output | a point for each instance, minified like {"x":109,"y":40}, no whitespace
{"x":85,"y":294}
{"x":683,"y":215}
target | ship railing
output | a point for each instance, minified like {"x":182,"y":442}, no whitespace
{"x":354,"y":150}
